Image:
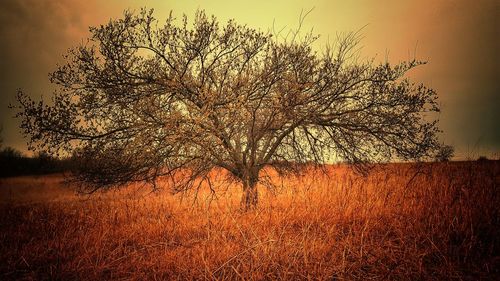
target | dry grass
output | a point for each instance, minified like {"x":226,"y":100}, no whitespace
{"x":399,"y":223}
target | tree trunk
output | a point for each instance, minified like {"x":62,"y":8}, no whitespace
{"x":250,"y":196}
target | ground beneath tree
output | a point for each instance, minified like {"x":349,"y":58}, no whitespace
{"x":401,"y":222}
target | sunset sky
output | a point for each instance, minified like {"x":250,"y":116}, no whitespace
{"x":459,"y":39}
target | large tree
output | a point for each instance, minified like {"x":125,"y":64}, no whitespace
{"x":141,"y":100}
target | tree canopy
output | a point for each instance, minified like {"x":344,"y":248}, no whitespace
{"x":143,"y":99}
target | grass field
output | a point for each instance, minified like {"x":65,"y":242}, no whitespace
{"x":401,"y":222}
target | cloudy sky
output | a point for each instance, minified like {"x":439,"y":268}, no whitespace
{"x":459,"y":39}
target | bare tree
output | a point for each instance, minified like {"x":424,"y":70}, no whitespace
{"x":142,"y":100}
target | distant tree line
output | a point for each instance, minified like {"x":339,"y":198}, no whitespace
{"x":14,"y":163}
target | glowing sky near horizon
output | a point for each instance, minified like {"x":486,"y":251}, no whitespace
{"x":459,"y":39}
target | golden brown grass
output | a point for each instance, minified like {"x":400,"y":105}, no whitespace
{"x":440,"y":221}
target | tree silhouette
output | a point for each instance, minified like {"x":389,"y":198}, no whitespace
{"x":445,"y":153}
{"x":142,"y":100}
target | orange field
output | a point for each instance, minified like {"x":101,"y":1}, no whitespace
{"x":401,"y":222}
